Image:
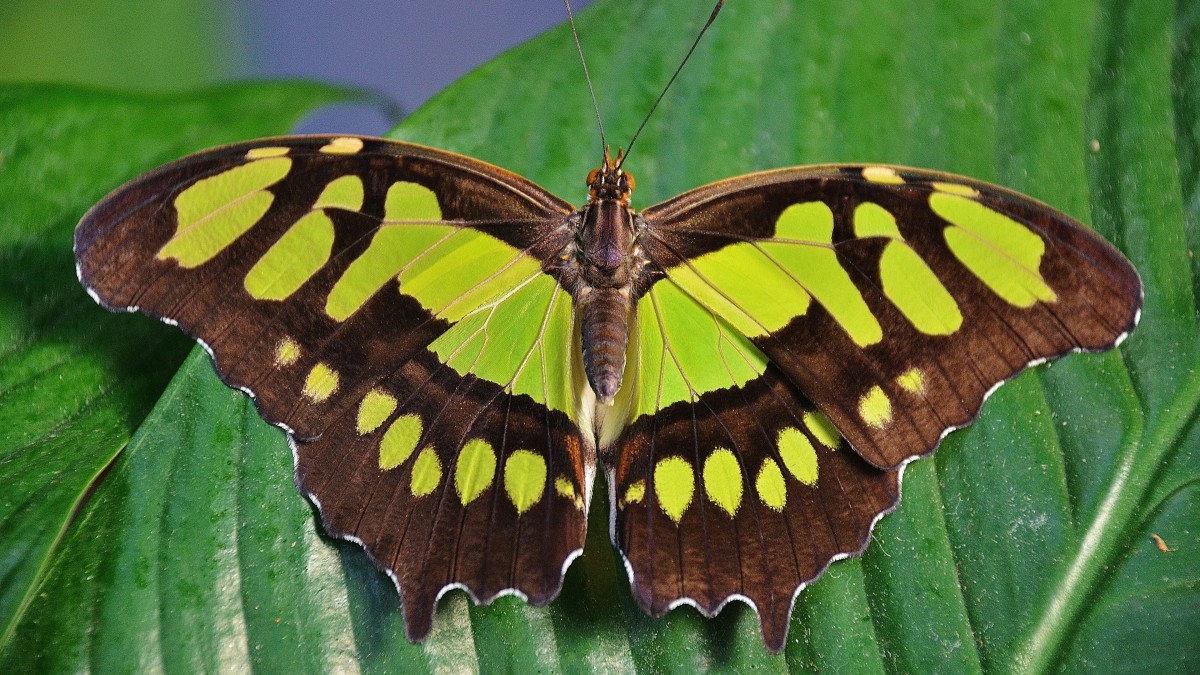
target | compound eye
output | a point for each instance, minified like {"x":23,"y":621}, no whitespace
{"x":593,"y":175}
{"x":629,"y":180}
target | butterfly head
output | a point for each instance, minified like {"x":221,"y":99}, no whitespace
{"x":610,"y":181}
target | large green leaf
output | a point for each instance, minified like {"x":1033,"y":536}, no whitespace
{"x":76,"y":383}
{"x":127,"y":43}
{"x":1025,"y":545}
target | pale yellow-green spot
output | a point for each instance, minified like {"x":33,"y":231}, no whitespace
{"x":742,"y":285}
{"x":374,"y":410}
{"x":408,"y":201}
{"x":343,"y":193}
{"x":287,"y":352}
{"x":809,"y":257}
{"x":822,"y":429}
{"x":465,"y":271}
{"x":321,"y":382}
{"x":214,"y":211}
{"x":908,"y":280}
{"x":689,"y":348}
{"x":1003,"y":253}
{"x":770,"y":485}
{"x":475,"y":469}
{"x":808,"y":222}
{"x":525,"y":479}
{"x":512,"y":323}
{"x":912,"y":381}
{"x":635,"y":493}
{"x":723,"y":480}
{"x":426,"y":473}
{"x":674,"y":483}
{"x":522,"y":342}
{"x":399,"y":441}
{"x":565,"y":488}
{"x":299,"y":254}
{"x":392,"y":247}
{"x":343,"y":145}
{"x":269,"y":151}
{"x":545,"y":377}
{"x":916,"y":291}
{"x":885,"y":175}
{"x":872,"y":220}
{"x":875,"y":408}
{"x":956,"y":189}
{"x":798,"y":455}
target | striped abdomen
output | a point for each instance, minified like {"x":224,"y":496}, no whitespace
{"x":605,"y":327}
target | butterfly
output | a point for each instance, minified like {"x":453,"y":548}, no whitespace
{"x":453,"y":351}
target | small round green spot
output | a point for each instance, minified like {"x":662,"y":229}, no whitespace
{"x":875,"y":408}
{"x":566,"y":489}
{"x":723,"y":480}
{"x":798,"y":455}
{"x":912,"y":381}
{"x":426,"y":473}
{"x":399,"y":441}
{"x":287,"y":352}
{"x":674,"y":484}
{"x":525,"y":479}
{"x":321,"y":382}
{"x":770,"y":486}
{"x":822,"y":428}
{"x":374,"y":410}
{"x":475,"y":469}
{"x":635,"y":493}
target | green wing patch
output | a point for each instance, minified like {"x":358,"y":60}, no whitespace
{"x":895,"y":298}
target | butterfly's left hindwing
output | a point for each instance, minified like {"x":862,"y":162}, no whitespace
{"x":376,"y":299}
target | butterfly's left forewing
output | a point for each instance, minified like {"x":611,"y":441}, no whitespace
{"x":811,"y":331}
{"x":385,"y":303}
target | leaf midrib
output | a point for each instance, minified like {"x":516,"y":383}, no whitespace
{"x":1142,"y":451}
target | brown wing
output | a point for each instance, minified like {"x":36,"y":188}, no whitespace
{"x":327,"y":277}
{"x":949,"y":287}
{"x":746,"y":493}
{"x":814,"y":330}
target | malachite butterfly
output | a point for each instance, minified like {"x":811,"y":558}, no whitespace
{"x":453,"y":351}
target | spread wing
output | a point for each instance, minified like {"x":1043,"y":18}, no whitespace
{"x":384,"y":303}
{"x":816,"y":329}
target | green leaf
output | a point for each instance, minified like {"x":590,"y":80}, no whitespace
{"x":1024,"y":545}
{"x":125,"y":43}
{"x":75,"y":382}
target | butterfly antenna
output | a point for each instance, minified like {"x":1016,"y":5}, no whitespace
{"x":711,"y":18}
{"x":587,"y":76}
